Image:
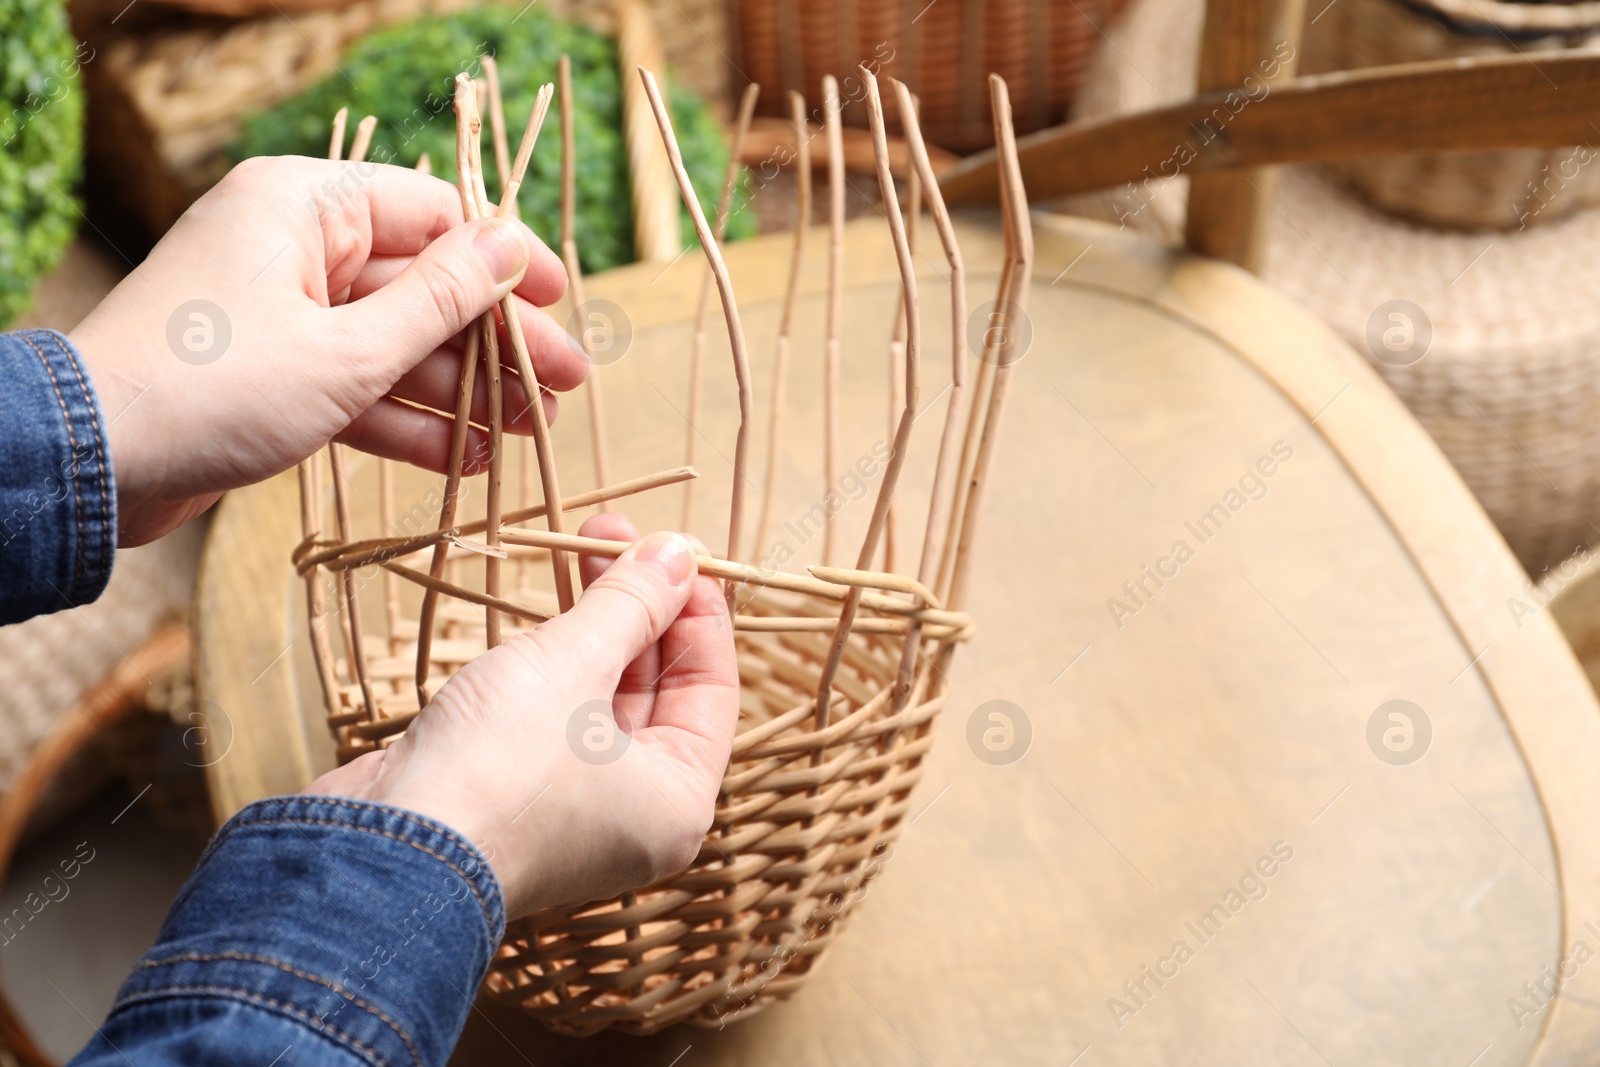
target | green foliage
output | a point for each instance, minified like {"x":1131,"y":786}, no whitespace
{"x":41,"y":143}
{"x":405,"y":76}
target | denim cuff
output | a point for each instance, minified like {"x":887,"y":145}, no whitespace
{"x":58,"y":505}
{"x":368,"y":925}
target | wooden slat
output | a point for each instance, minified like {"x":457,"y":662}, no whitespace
{"x":1253,"y":44}
{"x":1536,"y":100}
{"x":655,"y":198}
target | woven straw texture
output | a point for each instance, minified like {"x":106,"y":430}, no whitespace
{"x":1510,"y":384}
{"x":802,"y":825}
{"x":796,"y":841}
{"x":1504,"y":190}
{"x":943,"y":51}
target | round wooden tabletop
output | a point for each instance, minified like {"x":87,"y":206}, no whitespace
{"x":1249,"y":760}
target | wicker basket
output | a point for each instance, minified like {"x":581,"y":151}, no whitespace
{"x":166,"y":100}
{"x":167,"y":96}
{"x":943,"y":51}
{"x":842,"y":672}
{"x":1507,"y":189}
{"x":1510,"y":386}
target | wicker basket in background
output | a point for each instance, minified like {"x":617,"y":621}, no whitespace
{"x":1510,"y":383}
{"x":944,"y":51}
{"x":168,"y":93}
{"x":1506,"y":189}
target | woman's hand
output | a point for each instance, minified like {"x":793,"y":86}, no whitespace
{"x":302,"y":301}
{"x":583,"y":758}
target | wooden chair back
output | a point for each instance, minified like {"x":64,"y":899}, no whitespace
{"x":1527,"y":100}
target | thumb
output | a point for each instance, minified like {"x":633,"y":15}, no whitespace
{"x":629,"y":607}
{"x":456,"y":278}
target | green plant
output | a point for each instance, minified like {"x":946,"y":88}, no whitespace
{"x":404,"y":75}
{"x":41,"y":143}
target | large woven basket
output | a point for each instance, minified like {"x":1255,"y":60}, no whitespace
{"x":1506,"y":189}
{"x":1509,"y":384}
{"x":944,"y":51}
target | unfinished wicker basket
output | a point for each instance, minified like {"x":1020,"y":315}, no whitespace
{"x":842,"y":671}
{"x":1504,"y":190}
{"x":942,"y":51}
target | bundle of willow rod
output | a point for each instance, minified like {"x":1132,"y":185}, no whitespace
{"x":842,"y":669}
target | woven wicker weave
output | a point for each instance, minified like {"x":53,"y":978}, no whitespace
{"x":1506,"y":189}
{"x":943,"y":51}
{"x":1510,"y":386}
{"x":842,"y":672}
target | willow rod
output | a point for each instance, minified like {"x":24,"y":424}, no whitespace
{"x":544,"y":453}
{"x":497,"y":125}
{"x":494,"y":394}
{"x":460,"y":428}
{"x":697,"y":340}
{"x":361,"y":553}
{"x":1020,"y":230}
{"x":832,"y":122}
{"x":311,"y":515}
{"x":949,"y":437}
{"x":355,"y":632}
{"x":780,"y":359}
{"x":978,"y":409}
{"x":541,"y":106}
{"x":897,"y":343}
{"x":908,"y":416}
{"x":957,"y":629}
{"x":730,"y":311}
{"x":835,"y":586}
{"x":569,"y":259}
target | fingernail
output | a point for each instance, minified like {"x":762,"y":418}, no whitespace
{"x":503,"y":248}
{"x":669,"y":553}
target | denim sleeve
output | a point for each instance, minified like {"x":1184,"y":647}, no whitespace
{"x":317,"y":930}
{"x":58,"y":517}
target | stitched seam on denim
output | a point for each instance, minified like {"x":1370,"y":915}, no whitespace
{"x":77,"y":490}
{"x":482,"y":905}
{"x":196,"y":957}
{"x":387,"y":811}
{"x":282,"y":804}
{"x":260,"y":1001}
{"x":71,"y":356}
{"x":376,"y":809}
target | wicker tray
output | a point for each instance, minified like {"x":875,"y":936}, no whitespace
{"x":1508,"y":189}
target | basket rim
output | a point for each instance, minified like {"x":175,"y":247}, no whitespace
{"x":1493,"y":17}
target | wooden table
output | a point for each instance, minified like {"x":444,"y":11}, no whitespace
{"x":1203,"y":795}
